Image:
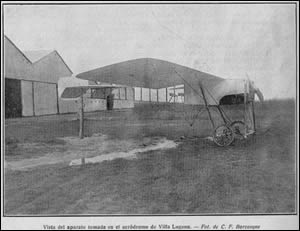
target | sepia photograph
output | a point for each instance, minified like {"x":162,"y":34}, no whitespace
{"x":149,"y":110}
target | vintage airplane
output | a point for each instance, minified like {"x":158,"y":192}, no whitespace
{"x":199,"y":89}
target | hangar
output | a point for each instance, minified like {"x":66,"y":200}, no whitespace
{"x":31,"y":81}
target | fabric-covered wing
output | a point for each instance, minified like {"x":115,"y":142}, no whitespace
{"x":147,"y":73}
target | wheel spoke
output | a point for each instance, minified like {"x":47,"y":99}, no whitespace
{"x":223,"y":135}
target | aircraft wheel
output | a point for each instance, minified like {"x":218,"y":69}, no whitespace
{"x":239,"y":129}
{"x":223,"y":135}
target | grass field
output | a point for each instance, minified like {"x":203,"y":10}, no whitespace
{"x":196,"y":177}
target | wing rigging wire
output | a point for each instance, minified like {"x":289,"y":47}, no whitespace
{"x":218,"y":106}
{"x":200,"y":110}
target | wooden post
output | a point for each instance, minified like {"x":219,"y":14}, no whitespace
{"x":33,"y":106}
{"x":133,"y":94}
{"x":157,"y":95}
{"x":149,"y":94}
{"x":207,"y":108}
{"x":253,"y":116}
{"x":251,"y":99}
{"x":166,"y":94}
{"x":81,"y":118}
{"x":141,"y":94}
{"x":57,"y":100}
{"x":245,"y":105}
{"x":174,"y":94}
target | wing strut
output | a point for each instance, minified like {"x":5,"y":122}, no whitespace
{"x":81,"y":117}
{"x":206,"y":105}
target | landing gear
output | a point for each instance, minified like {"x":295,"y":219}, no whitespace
{"x":239,"y":129}
{"x":223,"y":135}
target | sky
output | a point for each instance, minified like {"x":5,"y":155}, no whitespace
{"x":227,"y":40}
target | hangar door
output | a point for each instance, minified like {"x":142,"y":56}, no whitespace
{"x":27,"y":98}
{"x":45,"y":98}
{"x":13,"y":100}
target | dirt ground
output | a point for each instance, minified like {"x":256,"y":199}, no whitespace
{"x":171,"y":169}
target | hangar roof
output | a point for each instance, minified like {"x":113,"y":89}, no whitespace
{"x":149,"y":73}
{"x":37,"y":65}
{"x":36,"y":55}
